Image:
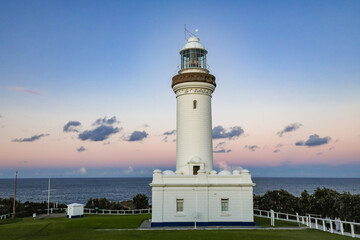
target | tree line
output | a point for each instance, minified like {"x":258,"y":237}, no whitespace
{"x":324,"y":202}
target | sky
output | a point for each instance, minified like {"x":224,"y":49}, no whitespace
{"x":85,"y":86}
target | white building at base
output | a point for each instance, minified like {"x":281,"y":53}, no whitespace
{"x":195,"y":193}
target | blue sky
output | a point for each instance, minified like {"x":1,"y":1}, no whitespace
{"x":276,"y":62}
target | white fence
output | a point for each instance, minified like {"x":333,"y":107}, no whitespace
{"x":5,"y":216}
{"x":325,"y":224}
{"x":116,"y":212}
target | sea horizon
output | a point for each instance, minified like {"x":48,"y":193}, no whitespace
{"x":151,"y":177}
{"x":70,"y":190}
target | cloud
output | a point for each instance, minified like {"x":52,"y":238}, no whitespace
{"x":129,"y":170}
{"x":137,"y":136}
{"x":252,"y":147}
{"x":145,"y":125}
{"x":26,"y":90}
{"x":71,"y":126}
{"x":172,"y":132}
{"x":276,"y":150}
{"x":220,"y":148}
{"x":313,"y":141}
{"x":167,"y":134}
{"x":223,"y":166}
{"x":82,"y":171}
{"x":1,"y":116}
{"x":30,"y":139}
{"x":219,"y":132}
{"x":80,"y":149}
{"x":279,"y":145}
{"x":99,"y":134}
{"x":292,"y":127}
{"x":222,"y":151}
{"x":105,"y":121}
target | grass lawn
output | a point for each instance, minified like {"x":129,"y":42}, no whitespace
{"x":265,"y":222}
{"x":84,"y":228}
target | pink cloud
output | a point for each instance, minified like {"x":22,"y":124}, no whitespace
{"x":26,"y":90}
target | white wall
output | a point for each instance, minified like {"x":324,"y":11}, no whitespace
{"x":205,"y":201}
{"x":202,"y":194}
{"x":194,"y":126}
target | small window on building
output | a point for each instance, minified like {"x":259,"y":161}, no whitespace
{"x":179,"y":205}
{"x":196,"y":169}
{"x":224,"y":205}
{"x":194,"y":104}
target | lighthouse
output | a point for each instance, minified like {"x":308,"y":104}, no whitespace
{"x":195,"y":194}
{"x":193,"y":87}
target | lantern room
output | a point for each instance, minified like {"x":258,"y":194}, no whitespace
{"x":193,"y":56}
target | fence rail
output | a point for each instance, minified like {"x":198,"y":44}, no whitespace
{"x":117,"y":212}
{"x":325,"y":224}
{"x":5,"y":216}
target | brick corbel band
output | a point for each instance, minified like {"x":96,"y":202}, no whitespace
{"x":193,"y":77}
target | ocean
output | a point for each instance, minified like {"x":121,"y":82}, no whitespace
{"x":79,"y":190}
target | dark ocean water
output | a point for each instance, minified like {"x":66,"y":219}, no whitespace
{"x":70,"y":190}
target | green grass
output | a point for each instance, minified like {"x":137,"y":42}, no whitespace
{"x":84,"y":228}
{"x":265,"y":222}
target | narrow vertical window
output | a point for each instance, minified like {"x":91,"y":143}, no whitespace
{"x":224,"y":205}
{"x":179,"y":205}
{"x":194,"y":104}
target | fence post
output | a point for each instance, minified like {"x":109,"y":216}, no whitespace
{"x":309,"y":220}
{"x":297,"y":218}
{"x":341,"y":228}
{"x":324,"y":226}
{"x":316,"y":223}
{"x":352,"y":230}
{"x":132,"y":212}
{"x":103,"y":211}
{"x":272,"y":220}
{"x":331,"y":227}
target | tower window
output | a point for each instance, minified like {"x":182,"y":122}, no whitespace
{"x":224,"y":205}
{"x":194,"y":104}
{"x":179,"y":205}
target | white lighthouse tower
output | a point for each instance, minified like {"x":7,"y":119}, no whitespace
{"x":193,"y":87}
{"x":195,"y":194}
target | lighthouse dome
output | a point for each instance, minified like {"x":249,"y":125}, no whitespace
{"x":193,"y":43}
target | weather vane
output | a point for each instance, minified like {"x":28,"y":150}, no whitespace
{"x":191,"y":34}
